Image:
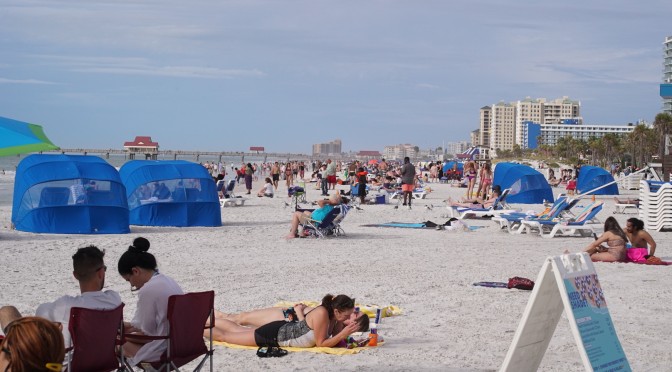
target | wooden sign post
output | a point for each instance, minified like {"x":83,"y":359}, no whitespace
{"x":568,"y":282}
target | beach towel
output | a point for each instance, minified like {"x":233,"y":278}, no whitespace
{"x":370,"y":310}
{"x":320,"y":350}
{"x":649,"y":261}
{"x":427,"y":225}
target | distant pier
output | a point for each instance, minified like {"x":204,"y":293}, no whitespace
{"x":176,"y":154}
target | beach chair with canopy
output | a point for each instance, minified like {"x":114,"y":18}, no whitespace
{"x":187,"y":314}
{"x":581,"y":225}
{"x":170,"y":193}
{"x":498,"y":207}
{"x":95,"y":336}
{"x":69,"y":194}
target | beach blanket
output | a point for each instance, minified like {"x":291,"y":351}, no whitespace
{"x":426,"y":225}
{"x":370,"y":310}
{"x":647,"y":262}
{"x":320,"y":350}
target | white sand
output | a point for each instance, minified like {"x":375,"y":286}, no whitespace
{"x":448,"y":323}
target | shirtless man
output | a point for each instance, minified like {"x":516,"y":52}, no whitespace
{"x":275,"y":175}
{"x":634,"y":229}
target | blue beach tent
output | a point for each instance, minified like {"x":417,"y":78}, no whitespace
{"x":69,"y":194}
{"x":593,"y":177}
{"x":170,"y":193}
{"x":527,"y":185}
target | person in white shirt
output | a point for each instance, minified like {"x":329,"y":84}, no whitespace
{"x":89,"y":269}
{"x":267,"y":190}
{"x":139,"y":268}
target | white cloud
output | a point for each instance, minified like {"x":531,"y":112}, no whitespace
{"x":25,"y":81}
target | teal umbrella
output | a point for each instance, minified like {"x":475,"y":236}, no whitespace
{"x":17,"y":137}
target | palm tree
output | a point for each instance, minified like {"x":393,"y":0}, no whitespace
{"x":663,"y":126}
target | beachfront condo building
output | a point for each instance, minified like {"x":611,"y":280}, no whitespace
{"x":329,"y":148}
{"x":502,"y":127}
{"x":559,"y":111}
{"x":549,"y":134}
{"x":399,"y":152}
{"x":484,"y":129}
{"x":454,"y":148}
{"x":666,"y":86}
{"x":475,"y":137}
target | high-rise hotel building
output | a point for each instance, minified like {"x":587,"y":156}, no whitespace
{"x":503,"y":126}
{"x":666,"y":86}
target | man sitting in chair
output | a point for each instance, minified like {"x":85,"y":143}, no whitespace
{"x":325,"y":206}
{"x":89,"y":270}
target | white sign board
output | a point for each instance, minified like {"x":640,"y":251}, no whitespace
{"x":568,"y":283}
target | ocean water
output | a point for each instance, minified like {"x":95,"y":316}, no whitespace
{"x":8,"y":165}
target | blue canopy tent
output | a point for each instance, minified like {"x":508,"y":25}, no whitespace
{"x":593,"y":177}
{"x":449,"y":165}
{"x":527,"y":185}
{"x":69,"y":194}
{"x":170,"y":193}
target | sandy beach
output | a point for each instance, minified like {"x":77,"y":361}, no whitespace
{"x":447,"y":325}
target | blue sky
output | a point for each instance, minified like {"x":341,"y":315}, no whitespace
{"x":227,"y":75}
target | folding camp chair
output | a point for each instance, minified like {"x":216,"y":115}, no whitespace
{"x":320,"y":229}
{"x":187,"y":314}
{"x":95,"y":335}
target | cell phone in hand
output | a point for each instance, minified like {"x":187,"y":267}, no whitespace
{"x":595,"y":236}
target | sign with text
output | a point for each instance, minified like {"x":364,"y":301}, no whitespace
{"x":568,"y":283}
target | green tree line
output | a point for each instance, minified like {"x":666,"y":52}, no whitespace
{"x":635,"y":148}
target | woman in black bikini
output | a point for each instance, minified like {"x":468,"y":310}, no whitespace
{"x":316,"y":328}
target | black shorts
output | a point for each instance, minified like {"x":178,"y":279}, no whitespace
{"x":267,"y":335}
{"x":276,"y":177}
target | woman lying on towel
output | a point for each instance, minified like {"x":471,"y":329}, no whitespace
{"x":316,"y":328}
{"x":615,"y":238}
{"x":477,"y":202}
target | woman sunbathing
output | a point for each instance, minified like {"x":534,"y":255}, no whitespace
{"x":615,"y":239}
{"x":315,"y":328}
{"x":476,"y":202}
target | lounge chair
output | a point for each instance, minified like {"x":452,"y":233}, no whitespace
{"x":498,"y":207}
{"x":230,"y":199}
{"x":582,"y":225}
{"x":622,"y":207}
{"x":561,"y":209}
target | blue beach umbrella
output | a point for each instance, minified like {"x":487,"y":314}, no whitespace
{"x":527,"y":185}
{"x":17,"y":137}
{"x":449,"y":165}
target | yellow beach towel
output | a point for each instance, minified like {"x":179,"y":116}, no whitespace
{"x":321,"y":350}
{"x":370,"y":310}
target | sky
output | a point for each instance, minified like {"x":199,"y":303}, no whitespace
{"x":226,"y":75}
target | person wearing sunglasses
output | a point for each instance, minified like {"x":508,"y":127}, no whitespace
{"x":89,"y":270}
{"x":32,"y":344}
{"x":139,"y":268}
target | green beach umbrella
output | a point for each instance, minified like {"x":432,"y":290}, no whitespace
{"x":17,"y":137}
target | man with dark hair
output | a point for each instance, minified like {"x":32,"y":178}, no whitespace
{"x":89,"y":270}
{"x":634,"y":229}
{"x":407,"y":180}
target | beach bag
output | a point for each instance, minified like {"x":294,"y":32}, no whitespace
{"x":637,"y":254}
{"x":520,"y":283}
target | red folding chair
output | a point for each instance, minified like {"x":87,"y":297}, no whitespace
{"x":187,"y":315}
{"x":95,"y":335}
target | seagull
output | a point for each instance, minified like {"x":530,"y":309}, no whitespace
{"x":429,"y":207}
{"x":287,"y":204}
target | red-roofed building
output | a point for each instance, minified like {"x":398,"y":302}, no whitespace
{"x":142,"y":145}
{"x":368,"y":155}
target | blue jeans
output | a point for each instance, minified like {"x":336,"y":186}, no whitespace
{"x":325,"y":186}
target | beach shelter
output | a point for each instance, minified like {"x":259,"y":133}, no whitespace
{"x":170,"y":193}
{"x":17,"y":137}
{"x":69,"y":194}
{"x":527,"y":185}
{"x":593,"y":177}
{"x":449,"y":165}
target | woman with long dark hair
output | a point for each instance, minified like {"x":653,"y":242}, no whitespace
{"x":314,"y":328}
{"x":615,"y":239}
